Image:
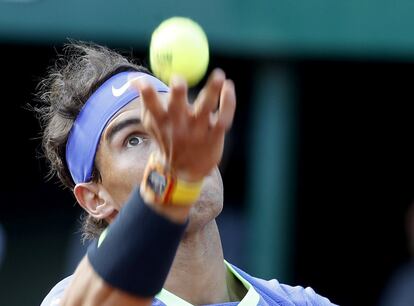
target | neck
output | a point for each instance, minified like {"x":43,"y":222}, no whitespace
{"x":198,"y":273}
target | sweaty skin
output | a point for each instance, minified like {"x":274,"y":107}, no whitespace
{"x":197,"y":131}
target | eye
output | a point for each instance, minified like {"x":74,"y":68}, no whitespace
{"x":133,"y":141}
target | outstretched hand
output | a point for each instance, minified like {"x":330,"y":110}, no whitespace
{"x":191,"y":136}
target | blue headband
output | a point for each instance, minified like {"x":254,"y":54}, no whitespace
{"x":102,"y":105}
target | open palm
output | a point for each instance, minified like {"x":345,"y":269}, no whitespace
{"x":190,"y":136}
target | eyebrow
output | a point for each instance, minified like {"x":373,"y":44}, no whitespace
{"x":120,"y":126}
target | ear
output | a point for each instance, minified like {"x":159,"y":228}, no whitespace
{"x":94,"y":199}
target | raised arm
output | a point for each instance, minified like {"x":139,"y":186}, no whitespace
{"x":191,"y":140}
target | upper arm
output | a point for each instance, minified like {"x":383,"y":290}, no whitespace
{"x":87,"y":288}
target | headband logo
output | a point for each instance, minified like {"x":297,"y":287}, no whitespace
{"x":117,"y":92}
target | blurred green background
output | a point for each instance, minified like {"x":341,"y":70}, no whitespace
{"x":318,"y":166}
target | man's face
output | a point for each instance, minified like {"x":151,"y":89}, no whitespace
{"x":122,"y":155}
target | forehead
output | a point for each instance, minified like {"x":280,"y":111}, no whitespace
{"x":129,"y":111}
{"x":134,"y":105}
{"x":133,"y":110}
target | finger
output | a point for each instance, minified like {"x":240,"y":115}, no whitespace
{"x":208,"y":98}
{"x":178,"y":100}
{"x":148,"y":123}
{"x":164,"y":141}
{"x":151,"y":101}
{"x":147,"y":117}
{"x":227,"y":106}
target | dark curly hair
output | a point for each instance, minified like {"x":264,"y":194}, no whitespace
{"x":77,"y":73}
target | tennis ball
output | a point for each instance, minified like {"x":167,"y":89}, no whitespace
{"x":179,"y":46}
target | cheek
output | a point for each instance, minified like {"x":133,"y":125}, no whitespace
{"x":124,"y":171}
{"x":131,"y":168}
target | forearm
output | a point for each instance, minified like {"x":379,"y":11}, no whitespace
{"x":124,"y":265}
{"x":88,"y":288}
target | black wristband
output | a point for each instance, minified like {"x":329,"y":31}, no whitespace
{"x":138,"y":250}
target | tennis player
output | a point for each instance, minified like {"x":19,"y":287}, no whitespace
{"x":142,"y":162}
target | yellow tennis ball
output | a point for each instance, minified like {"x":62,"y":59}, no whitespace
{"x":179,"y":46}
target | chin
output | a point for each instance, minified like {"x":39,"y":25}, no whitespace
{"x":209,"y":205}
